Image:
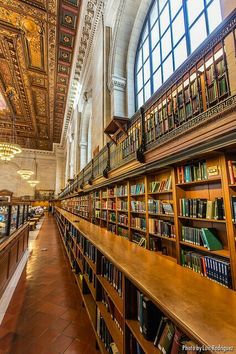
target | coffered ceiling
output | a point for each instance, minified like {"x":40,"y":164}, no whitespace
{"x":37,"y":39}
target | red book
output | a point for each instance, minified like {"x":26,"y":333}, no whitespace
{"x":231,"y":175}
{"x":177,"y":344}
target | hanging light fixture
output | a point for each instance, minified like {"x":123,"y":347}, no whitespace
{"x":33,"y":183}
{"x":8,"y":146}
{"x":25,"y":174}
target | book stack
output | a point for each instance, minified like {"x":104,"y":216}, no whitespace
{"x":137,"y":189}
{"x":111,"y":205}
{"x":201,"y":237}
{"x":232,"y":171}
{"x":104,"y":214}
{"x":115,"y":315}
{"x":192,"y":172}
{"x":112,"y":228}
{"x":102,"y":331}
{"x":160,"y":207}
{"x":138,"y":223}
{"x":137,"y":238}
{"x":157,"y":328}
{"x":161,"y":228}
{"x":104,"y":204}
{"x":98,"y":204}
{"x":122,"y":232}
{"x":202,"y":208}
{"x":138,"y":206}
{"x":112,"y":217}
{"x":112,"y":274}
{"x":233,"y":204}
{"x":121,"y":191}
{"x":111,"y":192}
{"x":104,"y":194}
{"x":214,"y":268}
{"x":90,"y":250}
{"x":122,"y":205}
{"x":123,"y":219}
{"x":160,"y":186}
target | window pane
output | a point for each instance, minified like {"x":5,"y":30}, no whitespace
{"x":153,"y":14}
{"x":156,"y":58}
{"x":174,"y":7}
{"x":180,"y":53}
{"x":145,"y":32}
{"x":178,"y":28}
{"x":139,"y":60}
{"x":140,"y":80}
{"x":147,"y":91}
{"x":155,"y":34}
{"x":146,"y":49}
{"x":164,"y":19}
{"x":147,"y":70}
{"x":194,"y":9}
{"x":140,"y":99}
{"x":166,"y":44}
{"x":157,"y":81}
{"x":162,"y":4}
{"x":167,"y":67}
{"x":214,"y":15}
{"x":198,"y":33}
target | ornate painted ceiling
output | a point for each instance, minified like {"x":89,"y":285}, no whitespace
{"x":37,"y":39}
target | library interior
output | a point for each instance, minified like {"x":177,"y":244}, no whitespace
{"x":117,"y":176}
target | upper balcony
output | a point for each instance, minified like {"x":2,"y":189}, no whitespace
{"x":193,"y":110}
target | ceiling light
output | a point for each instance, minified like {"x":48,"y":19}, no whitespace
{"x":25,"y":174}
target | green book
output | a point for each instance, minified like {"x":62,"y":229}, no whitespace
{"x":210,"y":240}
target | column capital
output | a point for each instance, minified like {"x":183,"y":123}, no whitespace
{"x":117,"y":83}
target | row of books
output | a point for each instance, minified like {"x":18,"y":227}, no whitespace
{"x":110,"y":306}
{"x":160,"y":207}
{"x":104,"y":334}
{"x":157,"y":328}
{"x":123,"y":219}
{"x":138,"y":223}
{"x":205,"y":237}
{"x":111,"y":192}
{"x":192,"y":172}
{"x":161,"y":228}
{"x":161,"y":186}
{"x":139,"y":239}
{"x":111,"y":228}
{"x":104,"y":194}
{"x":213,"y":268}
{"x":111,"y":205}
{"x":112,"y":274}
{"x":138,"y":206}
{"x":98,"y":204}
{"x":202,"y":208}
{"x":122,"y":232}
{"x":137,"y":189}
{"x":112,"y":217}
{"x":97,"y":213}
{"x":121,"y":190}
{"x":232,"y":171}
{"x":90,"y":250}
{"x":233,"y":204}
{"x":122,"y":205}
{"x":91,"y":276}
{"x":104,"y":214}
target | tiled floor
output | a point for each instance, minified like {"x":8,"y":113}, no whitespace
{"x":45,"y":315}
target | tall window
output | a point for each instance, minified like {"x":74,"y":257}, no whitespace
{"x":172,"y":31}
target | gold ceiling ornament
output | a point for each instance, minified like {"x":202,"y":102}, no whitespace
{"x":25,"y":173}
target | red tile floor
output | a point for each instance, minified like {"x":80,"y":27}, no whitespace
{"x":45,"y":315}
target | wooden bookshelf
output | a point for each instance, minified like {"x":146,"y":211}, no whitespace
{"x":152,"y":280}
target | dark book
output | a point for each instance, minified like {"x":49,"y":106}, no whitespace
{"x":166,"y":338}
{"x":160,"y":330}
{"x":151,"y":317}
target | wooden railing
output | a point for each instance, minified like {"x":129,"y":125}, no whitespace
{"x":193,"y":94}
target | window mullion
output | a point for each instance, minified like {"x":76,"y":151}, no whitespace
{"x":186,"y":25}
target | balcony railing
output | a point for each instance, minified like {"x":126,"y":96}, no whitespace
{"x":195,"y":92}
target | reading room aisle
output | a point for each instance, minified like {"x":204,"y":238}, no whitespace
{"x":45,"y":315}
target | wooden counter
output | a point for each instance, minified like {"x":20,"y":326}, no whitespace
{"x":11,"y":252}
{"x":204,"y":310}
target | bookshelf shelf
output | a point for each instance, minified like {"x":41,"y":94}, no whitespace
{"x":222,"y":253}
{"x":204,"y":220}
{"x":160,"y":193}
{"x":137,"y":195}
{"x":116,"y":299}
{"x":113,"y":329}
{"x":137,"y":229}
{"x":90,"y":286}
{"x":90,"y":263}
{"x":200,"y":182}
{"x":138,"y":212}
{"x":112,"y":222}
{"x":171,"y":239}
{"x":162,"y":215}
{"x":147,"y":346}
{"x":122,"y":211}
{"x":120,"y":224}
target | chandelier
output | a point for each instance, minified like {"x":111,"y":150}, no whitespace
{"x":8,"y":146}
{"x":25,"y":174}
{"x":33,"y":183}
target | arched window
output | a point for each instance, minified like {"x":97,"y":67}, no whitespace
{"x":172,"y":31}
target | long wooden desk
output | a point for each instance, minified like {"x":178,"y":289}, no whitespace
{"x":204,"y":310}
